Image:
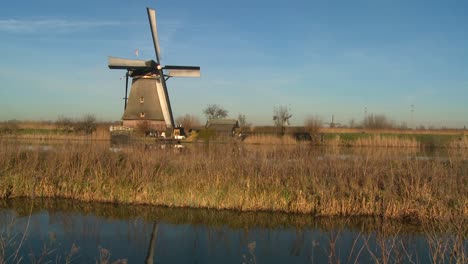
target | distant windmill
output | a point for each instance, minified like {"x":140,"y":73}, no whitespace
{"x":148,"y":103}
{"x":282,"y":119}
{"x":333,"y":124}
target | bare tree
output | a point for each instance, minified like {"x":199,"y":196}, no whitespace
{"x":87,"y":124}
{"x":377,"y":122}
{"x":214,"y":111}
{"x":244,"y":125}
{"x":65,"y":124}
{"x":281,"y":116}
{"x":313,"y":124}
{"x":188,"y":121}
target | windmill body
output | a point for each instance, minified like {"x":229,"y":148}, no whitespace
{"x":148,"y":103}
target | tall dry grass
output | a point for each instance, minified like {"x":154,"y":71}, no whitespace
{"x":233,"y":176}
{"x":376,"y":141}
{"x":341,"y":130}
{"x":462,"y":142}
{"x":369,"y":140}
{"x":270,"y":139}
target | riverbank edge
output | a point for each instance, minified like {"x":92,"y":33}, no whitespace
{"x":25,"y":207}
{"x":408,"y":217}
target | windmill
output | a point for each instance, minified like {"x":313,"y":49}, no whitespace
{"x":281,"y":118}
{"x":148,"y":102}
{"x":332,"y":124}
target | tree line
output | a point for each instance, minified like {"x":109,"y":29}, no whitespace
{"x":282,"y":114}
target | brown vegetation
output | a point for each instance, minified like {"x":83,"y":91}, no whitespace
{"x":233,"y":176}
{"x":313,"y":125}
{"x":342,"y":130}
{"x":377,"y":122}
{"x":188,"y":122}
{"x":376,"y":141}
{"x":270,"y":140}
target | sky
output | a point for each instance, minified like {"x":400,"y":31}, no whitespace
{"x":318,"y":58}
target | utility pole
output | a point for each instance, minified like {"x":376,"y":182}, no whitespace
{"x":412,"y":114}
{"x":365,"y":117}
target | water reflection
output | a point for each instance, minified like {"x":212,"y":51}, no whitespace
{"x":83,"y":233}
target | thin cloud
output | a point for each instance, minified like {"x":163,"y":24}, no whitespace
{"x":57,"y":25}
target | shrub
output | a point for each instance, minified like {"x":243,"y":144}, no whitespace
{"x":65,"y":124}
{"x":87,"y":124}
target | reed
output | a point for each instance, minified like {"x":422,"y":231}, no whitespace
{"x":461,"y":142}
{"x":234,"y":176}
{"x":395,"y":131}
{"x":270,"y":139}
{"x":377,"y":140}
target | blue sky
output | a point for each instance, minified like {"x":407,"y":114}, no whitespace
{"x":316,"y":57}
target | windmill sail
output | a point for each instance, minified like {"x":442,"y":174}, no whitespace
{"x":119,"y":63}
{"x":154,"y":32}
{"x":165,"y":103}
{"x":182,"y":71}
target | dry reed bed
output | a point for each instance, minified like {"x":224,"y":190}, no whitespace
{"x":230,"y":176}
{"x":461,"y":143}
{"x":270,"y":140}
{"x":394,"y":131}
{"x":376,"y":141}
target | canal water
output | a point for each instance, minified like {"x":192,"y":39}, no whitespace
{"x":62,"y":231}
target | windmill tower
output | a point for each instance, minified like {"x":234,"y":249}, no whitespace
{"x":148,"y":102}
{"x":333,"y":124}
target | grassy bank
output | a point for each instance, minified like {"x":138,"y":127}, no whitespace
{"x":233,"y":176}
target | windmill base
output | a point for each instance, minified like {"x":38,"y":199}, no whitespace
{"x":147,"y":125}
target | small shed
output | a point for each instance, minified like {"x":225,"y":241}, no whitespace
{"x":224,"y":127}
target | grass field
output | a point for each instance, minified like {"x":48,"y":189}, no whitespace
{"x":235,"y":176}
